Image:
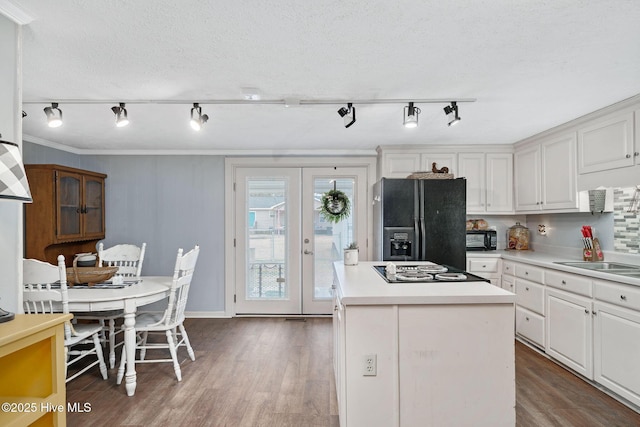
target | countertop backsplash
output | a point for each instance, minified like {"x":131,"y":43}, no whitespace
{"x":626,"y":225}
{"x":618,"y":232}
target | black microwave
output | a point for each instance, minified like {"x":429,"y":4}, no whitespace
{"x":482,"y":240}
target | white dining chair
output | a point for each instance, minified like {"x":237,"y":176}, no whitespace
{"x":128,"y":258}
{"x":170,"y":321}
{"x":45,"y":291}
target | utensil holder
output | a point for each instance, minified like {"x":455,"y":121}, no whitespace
{"x":596,"y":200}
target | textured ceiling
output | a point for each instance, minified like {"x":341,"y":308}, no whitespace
{"x":531,"y":65}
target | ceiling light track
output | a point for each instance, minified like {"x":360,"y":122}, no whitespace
{"x":260,"y":101}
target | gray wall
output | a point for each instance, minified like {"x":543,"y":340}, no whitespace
{"x":10,"y":210}
{"x":169,"y":202}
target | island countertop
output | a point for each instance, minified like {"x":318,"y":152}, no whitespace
{"x":362,"y":285}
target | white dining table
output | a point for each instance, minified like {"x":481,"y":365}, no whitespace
{"x":149,"y":289}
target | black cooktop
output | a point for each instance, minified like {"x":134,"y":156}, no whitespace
{"x":426,"y":273}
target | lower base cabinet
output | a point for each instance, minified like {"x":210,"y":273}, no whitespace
{"x":435,"y":365}
{"x":617,"y":350}
{"x":569,"y":331}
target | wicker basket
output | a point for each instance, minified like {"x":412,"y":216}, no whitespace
{"x":91,"y":275}
{"x":430,"y":175}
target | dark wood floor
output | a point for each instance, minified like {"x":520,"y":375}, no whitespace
{"x":274,"y":372}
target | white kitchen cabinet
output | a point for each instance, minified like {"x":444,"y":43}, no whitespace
{"x":530,"y":303}
{"x":546,"y":176}
{"x":403,"y":161}
{"x":569,"y":330}
{"x":617,"y":350}
{"x":485,"y":267}
{"x":447,"y":159}
{"x":489,"y":181}
{"x":607,"y":143}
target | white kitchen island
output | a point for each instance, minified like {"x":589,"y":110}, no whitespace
{"x":422,"y":354}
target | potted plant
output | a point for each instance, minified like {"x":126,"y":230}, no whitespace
{"x":351,"y":254}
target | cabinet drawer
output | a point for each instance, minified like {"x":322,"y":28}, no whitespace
{"x":617,"y":293}
{"x":568,"y":282}
{"x":530,"y":295}
{"x":530,"y":325}
{"x":483,"y":265}
{"x":529,"y":272}
{"x":508,"y":268}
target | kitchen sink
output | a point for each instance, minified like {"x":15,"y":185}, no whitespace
{"x":600,"y":265}
{"x":634,"y":274}
{"x":606,"y":267}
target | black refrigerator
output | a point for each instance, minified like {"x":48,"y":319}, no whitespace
{"x":421,"y":220}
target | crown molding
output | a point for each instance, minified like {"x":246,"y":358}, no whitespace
{"x":15,"y":13}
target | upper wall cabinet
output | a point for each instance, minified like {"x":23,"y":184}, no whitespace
{"x":401,"y":165}
{"x":607,"y":144}
{"x":545,"y":175}
{"x":489,"y":181}
{"x":67,"y":215}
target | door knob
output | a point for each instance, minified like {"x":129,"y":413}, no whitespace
{"x":306,"y":252}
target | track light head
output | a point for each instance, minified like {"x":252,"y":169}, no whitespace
{"x":197,"y":118}
{"x":122,"y":118}
{"x":54,"y":115}
{"x":452,"y":113}
{"x":348,"y":114}
{"x":410,"y":116}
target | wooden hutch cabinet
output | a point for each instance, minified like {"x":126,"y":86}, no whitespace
{"x":67,"y":215}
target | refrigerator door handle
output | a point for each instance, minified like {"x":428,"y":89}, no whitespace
{"x":423,"y":228}
{"x":415,"y":251}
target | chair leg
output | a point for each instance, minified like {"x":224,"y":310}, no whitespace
{"x":123,"y":363}
{"x":112,"y":343}
{"x":143,"y":349}
{"x":103,"y":337}
{"x":185,"y":337}
{"x":66,"y":360}
{"x":98,"y":347}
{"x":174,"y":355}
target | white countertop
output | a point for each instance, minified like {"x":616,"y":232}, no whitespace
{"x":547,"y":260}
{"x":362,"y":285}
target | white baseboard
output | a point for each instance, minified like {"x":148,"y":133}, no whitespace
{"x":206,"y":315}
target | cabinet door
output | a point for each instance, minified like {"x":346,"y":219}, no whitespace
{"x":606,"y":144}
{"x":441,"y":160}
{"x":472,"y":167}
{"x":617,"y":350}
{"x":400,"y":165}
{"x":68,"y":206}
{"x":93,"y":209}
{"x":508,"y":283}
{"x":527,"y":179}
{"x":559,"y":176}
{"x":569,"y":330}
{"x":499,"y":182}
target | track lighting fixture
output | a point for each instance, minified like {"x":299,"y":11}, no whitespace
{"x":452,"y":113}
{"x":348,"y":114}
{"x":122,"y":119}
{"x":54,"y":115}
{"x":197,"y":118}
{"x":411,"y":116}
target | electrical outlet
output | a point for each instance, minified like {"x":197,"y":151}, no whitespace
{"x":369,"y":365}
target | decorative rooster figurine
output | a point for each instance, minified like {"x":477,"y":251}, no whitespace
{"x":434,"y":169}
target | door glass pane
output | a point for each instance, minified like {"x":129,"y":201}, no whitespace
{"x":69,"y":196}
{"x":93,"y":214}
{"x":267,"y":228}
{"x":330,"y":238}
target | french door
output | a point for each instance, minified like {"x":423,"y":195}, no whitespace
{"x":284,"y":246}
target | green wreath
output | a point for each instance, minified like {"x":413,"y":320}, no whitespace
{"x":335,"y":206}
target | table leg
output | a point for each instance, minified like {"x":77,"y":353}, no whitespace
{"x":130,"y":346}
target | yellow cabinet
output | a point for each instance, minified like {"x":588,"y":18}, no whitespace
{"x":32,"y":363}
